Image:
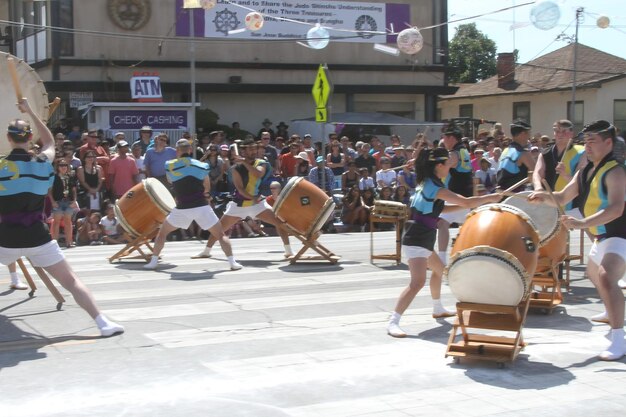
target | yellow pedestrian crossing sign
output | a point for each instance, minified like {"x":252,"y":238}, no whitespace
{"x":321,"y":114}
{"x":322,"y":88}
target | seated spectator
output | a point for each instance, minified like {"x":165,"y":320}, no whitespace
{"x":336,"y":160}
{"x":365,"y":181}
{"x":486,"y":176}
{"x":406,"y":177}
{"x":111,"y":227}
{"x":302,"y":164}
{"x":352,"y":212}
{"x":402,"y":195}
{"x":399,"y":157}
{"x":385,"y":194}
{"x":385,"y":176}
{"x":90,"y":232}
{"x":322,"y":176}
{"x":350,"y":177}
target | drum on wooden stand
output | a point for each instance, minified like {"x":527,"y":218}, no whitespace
{"x":494,"y":256}
{"x":32,"y":88}
{"x":144,"y":207}
{"x":303,"y":206}
{"x":553,"y":243}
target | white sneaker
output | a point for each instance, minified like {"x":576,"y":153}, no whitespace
{"x":18,"y":285}
{"x":152,"y":264}
{"x":394,"y":330}
{"x":235,"y":266}
{"x":111,"y":329}
{"x":601,"y":318}
{"x":201,"y":255}
{"x":615,"y":351}
{"x":622,"y":284}
{"x":442,"y":313}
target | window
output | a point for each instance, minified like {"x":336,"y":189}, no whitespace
{"x":466,"y":110}
{"x":521,"y":110}
{"x":619,"y":116}
{"x":578,"y":118}
{"x":66,"y":20}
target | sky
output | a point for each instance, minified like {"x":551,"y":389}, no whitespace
{"x":532,"y":42}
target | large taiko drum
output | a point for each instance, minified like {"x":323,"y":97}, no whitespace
{"x":32,"y":88}
{"x":303,"y":206}
{"x":144,"y":207}
{"x":553,"y":243}
{"x":494,"y":256}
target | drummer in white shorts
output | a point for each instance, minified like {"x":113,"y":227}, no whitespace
{"x":190,"y":179}
{"x":247,"y":175}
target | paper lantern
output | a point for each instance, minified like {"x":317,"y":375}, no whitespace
{"x":410,"y":41}
{"x":603,"y":22}
{"x":208,"y":4}
{"x":317,"y":37}
{"x":545,"y":15}
{"x":254,"y":21}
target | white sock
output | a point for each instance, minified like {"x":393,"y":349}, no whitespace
{"x":395,"y":318}
{"x":102,"y":321}
{"x":206,"y":251}
{"x":231,"y":260}
{"x":288,"y":250}
{"x":14,"y":278}
{"x":107,"y":327}
{"x":443,"y":255}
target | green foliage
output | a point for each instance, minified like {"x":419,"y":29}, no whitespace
{"x":207,"y":121}
{"x":472,"y":55}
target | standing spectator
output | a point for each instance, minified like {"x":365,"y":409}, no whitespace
{"x":145,"y":138}
{"x":67,"y":153}
{"x":281,"y":130}
{"x":117,"y":137}
{"x":322,"y":176}
{"x":102,"y":157}
{"x":302,"y":167}
{"x":347,"y":150}
{"x":63,"y":197}
{"x":75,"y":136}
{"x":336,"y":161}
{"x":385,"y":176}
{"x":478,"y":156}
{"x":270,"y":152}
{"x":486,"y":175}
{"x":289,"y":161}
{"x":90,"y":182}
{"x":495,"y":159}
{"x":365,"y":160}
{"x":395,"y":143}
{"x":266,"y":128}
{"x":379,"y":153}
{"x":155,"y":158}
{"x":399,"y":157}
{"x":123,"y":171}
{"x":307,"y":145}
{"x":139,"y":160}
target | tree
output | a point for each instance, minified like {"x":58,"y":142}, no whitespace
{"x":472,"y":55}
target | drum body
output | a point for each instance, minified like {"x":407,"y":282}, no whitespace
{"x":144,"y":207}
{"x":553,"y":244}
{"x":390,"y":209}
{"x":494,"y":256}
{"x":303,"y":206}
{"x":32,"y":88}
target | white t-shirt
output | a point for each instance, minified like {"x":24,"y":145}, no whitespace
{"x":110,"y":226}
{"x":387,"y":176}
{"x":141,"y":167}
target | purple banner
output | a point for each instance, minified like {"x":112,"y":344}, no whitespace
{"x":398,"y":17}
{"x":157,"y":119}
{"x":182,"y":20}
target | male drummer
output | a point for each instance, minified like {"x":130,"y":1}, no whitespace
{"x":24,"y":184}
{"x":247,"y":175}
{"x":516,"y":161}
{"x":559,"y":162}
{"x":190,"y":179}
{"x":601,"y":186}
{"x":460,"y":181}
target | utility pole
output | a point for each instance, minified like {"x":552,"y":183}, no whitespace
{"x":579,"y":14}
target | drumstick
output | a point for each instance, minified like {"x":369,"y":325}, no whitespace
{"x":569,"y":143}
{"x":53,"y":106}
{"x":515,"y":186}
{"x":549,"y":190}
{"x":510,"y":194}
{"x":235,"y":148}
{"x":16,"y":80}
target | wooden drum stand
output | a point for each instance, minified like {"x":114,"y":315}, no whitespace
{"x":312,"y":243}
{"x":46,"y":280}
{"x":388,"y":212}
{"x":135,"y":244}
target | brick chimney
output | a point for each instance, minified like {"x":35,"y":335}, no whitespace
{"x":506,"y":69}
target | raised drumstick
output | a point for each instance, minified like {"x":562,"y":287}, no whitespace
{"x":549,"y":190}
{"x":15,"y":79}
{"x":515,"y":186}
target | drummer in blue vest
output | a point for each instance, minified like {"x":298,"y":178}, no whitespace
{"x":516,"y":161}
{"x":602,"y":191}
{"x":192,"y":187}
{"x":24,"y":184}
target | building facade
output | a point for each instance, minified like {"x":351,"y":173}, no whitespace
{"x":89,"y":50}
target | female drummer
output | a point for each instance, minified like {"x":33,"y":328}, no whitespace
{"x":421,"y":231}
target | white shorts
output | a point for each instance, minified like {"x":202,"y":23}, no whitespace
{"x":457,"y":216}
{"x":182,"y":218}
{"x":615,"y":245}
{"x":43,"y":256}
{"x":242,"y":212}
{"x":575,"y":213}
{"x":415,"y":252}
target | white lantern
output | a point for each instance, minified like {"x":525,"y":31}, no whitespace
{"x":208,"y":4}
{"x":545,"y":15}
{"x":603,"y":22}
{"x":254,"y":21}
{"x":317,"y":37}
{"x":410,"y":41}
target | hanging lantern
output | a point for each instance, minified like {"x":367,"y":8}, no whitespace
{"x":208,"y":4}
{"x":254,"y":21}
{"x":317,"y":37}
{"x":603,"y":22}
{"x":545,"y":15}
{"x":410,"y":41}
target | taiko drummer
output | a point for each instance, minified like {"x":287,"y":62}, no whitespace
{"x":420,"y":232}
{"x":601,"y":187}
{"x":190,"y":179}
{"x":24,"y":184}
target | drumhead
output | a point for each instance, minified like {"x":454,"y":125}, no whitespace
{"x":508,"y":208}
{"x":487,"y":275}
{"x":546,"y":218}
{"x":160,"y":195}
{"x":32,"y":88}
{"x":285,"y":192}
